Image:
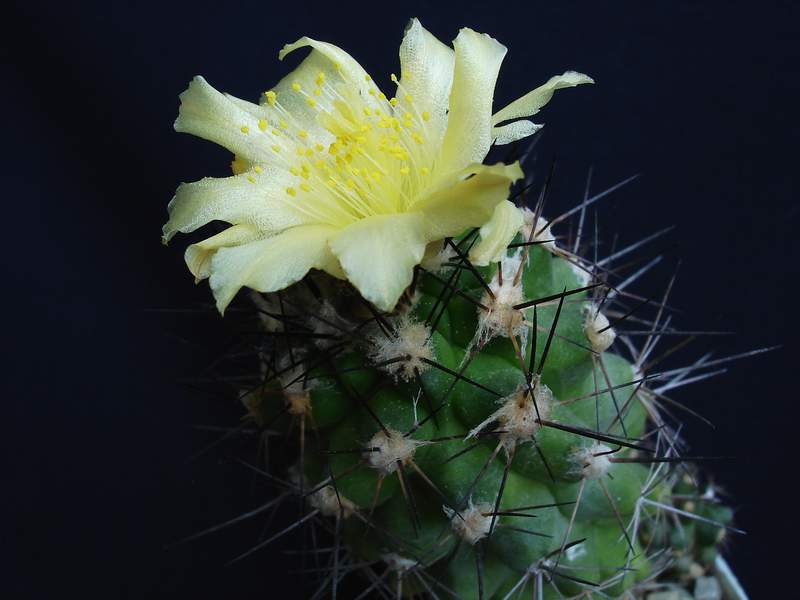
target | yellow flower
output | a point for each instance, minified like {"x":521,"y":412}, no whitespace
{"x":331,"y":174}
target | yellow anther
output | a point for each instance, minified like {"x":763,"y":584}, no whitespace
{"x":258,"y":169}
{"x":417,"y":138}
{"x":294,"y":171}
{"x":424,"y":170}
{"x":319,"y":147}
{"x":382,"y":96}
{"x":276,"y":148}
{"x":320,"y":78}
{"x":367,"y":78}
{"x":426,"y":116}
{"x":303,"y":133}
{"x":271,"y":97}
{"x":276,"y":131}
{"x":311,"y":102}
{"x":291,"y":191}
{"x":283,"y":124}
{"x":245,"y":129}
{"x":309,"y":152}
{"x":408,"y":98}
{"x":371,"y":92}
{"x":251,"y":179}
{"x":367,"y":111}
{"x":296,"y":87}
{"x":394,"y":77}
{"x":300,"y":152}
{"x":305,"y":187}
{"x":238,"y":166}
{"x":404,"y":171}
{"x":317,"y":92}
{"x":338,"y":65}
{"x":393,"y":101}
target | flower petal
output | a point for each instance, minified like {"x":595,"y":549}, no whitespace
{"x":336,"y":66}
{"x":514,"y":131}
{"x":497,"y":234}
{"x":198,"y":256}
{"x":256,"y":199}
{"x":426,"y":74}
{"x":270,"y":264}
{"x":211,"y":115}
{"x":379,"y":253}
{"x":469,"y":126}
{"x":469,"y":199}
{"x":533,"y":101}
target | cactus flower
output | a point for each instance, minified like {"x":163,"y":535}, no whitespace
{"x":331,"y":174}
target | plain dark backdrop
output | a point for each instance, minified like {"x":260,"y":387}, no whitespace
{"x":699,"y":97}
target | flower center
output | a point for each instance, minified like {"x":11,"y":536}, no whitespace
{"x":376,"y":158}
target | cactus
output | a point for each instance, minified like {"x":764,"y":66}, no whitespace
{"x":468,"y":425}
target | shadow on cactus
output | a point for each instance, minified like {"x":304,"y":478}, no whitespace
{"x":473,"y":402}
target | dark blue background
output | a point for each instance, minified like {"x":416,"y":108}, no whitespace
{"x":699,"y":97}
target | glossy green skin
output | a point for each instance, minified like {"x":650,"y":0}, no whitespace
{"x":569,"y":372}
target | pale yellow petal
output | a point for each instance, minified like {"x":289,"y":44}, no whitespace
{"x":497,"y":234}
{"x":270,"y":264}
{"x":211,"y":115}
{"x":426,"y":75}
{"x":469,"y":126}
{"x":339,"y":70}
{"x":198,"y":256}
{"x":257,"y":199}
{"x":379,"y":253}
{"x":512,"y":132}
{"x":468,"y":201}
{"x":530,"y":104}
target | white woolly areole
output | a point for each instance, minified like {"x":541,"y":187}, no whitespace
{"x":410,"y":340}
{"x":331,"y":504}
{"x":387,"y":450}
{"x":292,"y":376}
{"x":471,"y":524}
{"x":395,"y":562}
{"x":592,"y":462}
{"x":517,"y":416}
{"x":266,"y":304}
{"x":328,"y":322}
{"x":436,"y":255}
{"x":502,"y":319}
{"x":598,"y":332}
{"x":540,"y":233}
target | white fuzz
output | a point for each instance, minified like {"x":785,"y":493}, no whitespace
{"x":539,"y":233}
{"x":471,"y":525}
{"x":592,"y":462}
{"x":502,"y":319}
{"x":331,"y":504}
{"x":327,"y":322}
{"x":266,"y":304}
{"x":409,"y":340}
{"x":517,"y":416}
{"x":398,"y":563}
{"x":436,"y":255}
{"x":598,"y":332}
{"x":388,"y":450}
{"x":292,"y":377}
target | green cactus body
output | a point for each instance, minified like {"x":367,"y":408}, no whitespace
{"x":472,"y":447}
